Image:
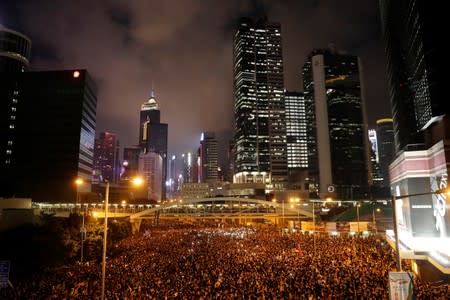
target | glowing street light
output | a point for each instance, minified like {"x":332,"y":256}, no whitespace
{"x":79,"y":182}
{"x":136,"y":182}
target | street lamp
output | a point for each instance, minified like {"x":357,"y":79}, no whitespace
{"x":394,"y":215}
{"x":314,"y":227}
{"x":105,"y":232}
{"x":373,"y":217}
{"x":79,"y":182}
{"x":357,"y":214}
{"x":136,"y":181}
{"x":292,"y":200}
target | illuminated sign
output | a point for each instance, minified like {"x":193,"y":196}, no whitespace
{"x":339,"y":78}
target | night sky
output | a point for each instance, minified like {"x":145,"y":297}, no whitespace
{"x":184,"y":49}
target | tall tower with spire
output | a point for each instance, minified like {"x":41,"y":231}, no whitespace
{"x":153,"y":137}
{"x":149,"y":114}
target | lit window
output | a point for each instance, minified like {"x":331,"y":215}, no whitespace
{"x":11,"y":126}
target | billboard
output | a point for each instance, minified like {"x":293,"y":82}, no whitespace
{"x":401,"y":286}
{"x":423,"y":214}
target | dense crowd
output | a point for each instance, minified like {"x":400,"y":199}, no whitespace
{"x":201,"y":262}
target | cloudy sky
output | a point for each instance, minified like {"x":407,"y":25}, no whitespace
{"x":184,"y":49}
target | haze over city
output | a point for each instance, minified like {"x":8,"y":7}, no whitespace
{"x":183,"y":49}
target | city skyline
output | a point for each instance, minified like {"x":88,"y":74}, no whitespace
{"x":185,"y":52}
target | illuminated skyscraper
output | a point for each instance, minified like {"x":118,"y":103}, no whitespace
{"x":153,"y":135}
{"x":337,"y":145}
{"x":297,"y":147}
{"x":416,"y":73}
{"x":150,"y":166}
{"x":189,"y":164}
{"x":208,"y":157}
{"x":15,"y":51}
{"x":260,"y":130}
{"x":377,"y":178}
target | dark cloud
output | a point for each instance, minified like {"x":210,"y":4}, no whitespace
{"x":184,"y":49}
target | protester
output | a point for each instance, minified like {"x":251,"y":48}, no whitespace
{"x":178,"y":261}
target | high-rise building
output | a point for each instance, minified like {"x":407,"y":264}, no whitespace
{"x":47,"y":133}
{"x":149,"y":114}
{"x":260,"y":130}
{"x":153,"y":135}
{"x":337,"y":135}
{"x":386,"y":149}
{"x":106,"y":157}
{"x":150,"y":166}
{"x":208,"y":157}
{"x":377,"y":178}
{"x":297,"y":147}
{"x":130,"y":165}
{"x":15,"y":49}
{"x":415,"y":71}
{"x":189,"y":164}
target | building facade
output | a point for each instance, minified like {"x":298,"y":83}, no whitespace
{"x":153,"y":135}
{"x":260,"y":130}
{"x":338,"y":156}
{"x":47,"y":133}
{"x":297,"y":147}
{"x":15,"y":49}
{"x":209,"y":160}
{"x":106,"y":158}
{"x":150,"y":166}
{"x":415,"y":71}
{"x":386,"y":148}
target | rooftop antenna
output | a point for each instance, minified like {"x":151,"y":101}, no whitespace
{"x":153,"y":91}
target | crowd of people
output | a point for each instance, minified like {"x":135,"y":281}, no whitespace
{"x":177,"y":261}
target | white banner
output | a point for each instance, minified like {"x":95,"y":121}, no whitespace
{"x":401,"y":285}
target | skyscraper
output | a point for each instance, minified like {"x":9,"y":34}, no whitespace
{"x":415,"y":71}
{"x":150,"y":165}
{"x":153,"y":135}
{"x":260,"y":130}
{"x":47,"y":133}
{"x":386,"y":149}
{"x":297,"y":147}
{"x":337,"y":135}
{"x":15,"y":51}
{"x":130,"y":162}
{"x":208,"y":157}
{"x":106,"y":160}
{"x":377,"y":177}
{"x":149,"y":114}
{"x":189,"y":164}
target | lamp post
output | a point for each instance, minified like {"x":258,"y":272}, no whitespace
{"x":292,"y":200}
{"x":394,"y":215}
{"x":314,"y":228}
{"x":136,"y":182}
{"x":79,"y":182}
{"x":357,"y":214}
{"x":105,"y":233}
{"x":373,"y":218}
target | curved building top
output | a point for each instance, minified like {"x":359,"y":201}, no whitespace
{"x":15,"y":49}
{"x":151,"y":103}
